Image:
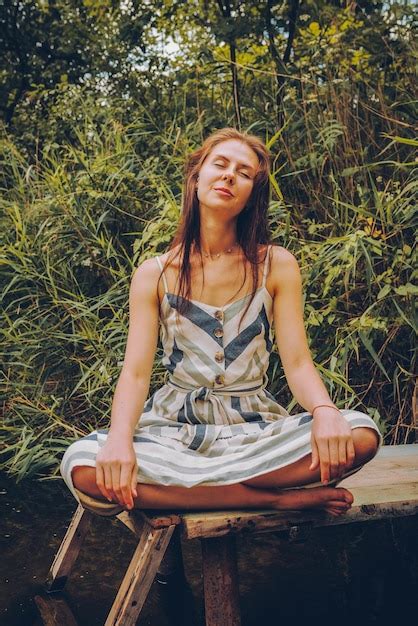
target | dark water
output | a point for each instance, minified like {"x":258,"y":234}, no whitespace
{"x":350,"y":574}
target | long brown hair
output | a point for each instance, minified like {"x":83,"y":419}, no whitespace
{"x":252,"y":223}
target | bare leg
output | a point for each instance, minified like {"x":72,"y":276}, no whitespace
{"x":270,"y":490}
{"x":333,"y":500}
{"x":298,"y":473}
{"x":240,"y":496}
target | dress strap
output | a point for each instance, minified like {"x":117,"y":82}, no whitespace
{"x":265,"y":268}
{"x":163,"y":274}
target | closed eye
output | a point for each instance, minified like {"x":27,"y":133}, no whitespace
{"x":219,"y":165}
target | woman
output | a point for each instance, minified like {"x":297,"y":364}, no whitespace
{"x":212,"y":437}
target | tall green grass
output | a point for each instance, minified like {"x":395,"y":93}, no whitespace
{"x":77,"y":221}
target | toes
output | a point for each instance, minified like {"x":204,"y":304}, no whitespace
{"x":338,"y":504}
{"x":337,"y":507}
{"x":336,"y":511}
{"x":345,"y":495}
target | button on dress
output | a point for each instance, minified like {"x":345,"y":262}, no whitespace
{"x":213,"y":422}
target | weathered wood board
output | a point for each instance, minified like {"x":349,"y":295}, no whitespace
{"x":385,"y":487}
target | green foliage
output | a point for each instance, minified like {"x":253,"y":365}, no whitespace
{"x":92,"y":159}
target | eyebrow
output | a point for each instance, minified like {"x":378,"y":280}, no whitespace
{"x":220,"y":156}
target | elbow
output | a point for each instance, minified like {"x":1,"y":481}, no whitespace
{"x":137,"y":379}
{"x":298,"y":363}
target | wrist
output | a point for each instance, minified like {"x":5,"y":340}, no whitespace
{"x":120,"y":434}
{"x":320,"y":408}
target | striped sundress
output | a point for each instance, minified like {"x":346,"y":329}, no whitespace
{"x":213,"y":422}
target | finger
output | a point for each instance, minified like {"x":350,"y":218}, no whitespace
{"x":125,"y":485}
{"x":108,"y":483}
{"x":323,"y":452}
{"x":315,"y":458}
{"x":134,"y":481}
{"x":334,"y":450}
{"x":351,"y":453}
{"x":115,"y":470}
{"x":342,"y":445}
{"x":100,"y":482}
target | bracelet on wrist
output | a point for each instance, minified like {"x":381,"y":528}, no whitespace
{"x":331,"y":406}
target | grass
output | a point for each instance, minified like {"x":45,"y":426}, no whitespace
{"x":78,"y":219}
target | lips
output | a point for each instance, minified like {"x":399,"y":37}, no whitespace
{"x":224,"y":191}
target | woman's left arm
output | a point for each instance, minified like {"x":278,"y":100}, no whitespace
{"x":331,"y":438}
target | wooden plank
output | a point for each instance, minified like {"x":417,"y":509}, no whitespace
{"x":389,"y":480}
{"x":381,"y":475}
{"x":135,"y":523}
{"x":139,"y":576}
{"x":268,"y":520}
{"x":158,"y":519}
{"x":54,"y":611}
{"x":385,"y":470}
{"x":220,"y":581}
{"x":403,"y":449}
{"x":68,"y":550}
{"x":385,"y":494}
{"x":218,"y":523}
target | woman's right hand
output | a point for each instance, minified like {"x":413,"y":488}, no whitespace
{"x":116,"y":471}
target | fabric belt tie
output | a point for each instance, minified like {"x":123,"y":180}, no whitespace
{"x":221,"y":417}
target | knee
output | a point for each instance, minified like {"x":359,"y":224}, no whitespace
{"x":366,"y":443}
{"x":84,"y":478}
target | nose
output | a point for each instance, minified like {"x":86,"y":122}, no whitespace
{"x":228,"y":175}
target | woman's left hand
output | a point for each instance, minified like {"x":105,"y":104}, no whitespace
{"x":332,"y":444}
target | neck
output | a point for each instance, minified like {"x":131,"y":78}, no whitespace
{"x":216,"y":235}
{"x":214,"y":245}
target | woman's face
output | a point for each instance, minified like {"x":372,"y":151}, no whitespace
{"x":231,"y":165}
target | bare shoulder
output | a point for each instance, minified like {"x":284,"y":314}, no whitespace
{"x":145,"y":279}
{"x":171,"y":257}
{"x":284,"y":269}
{"x":282,"y":256}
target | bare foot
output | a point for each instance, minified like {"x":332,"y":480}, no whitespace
{"x":334,"y":500}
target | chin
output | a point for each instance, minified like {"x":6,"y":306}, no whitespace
{"x":214,"y":205}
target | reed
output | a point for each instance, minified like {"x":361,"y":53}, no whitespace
{"x":77,"y":219}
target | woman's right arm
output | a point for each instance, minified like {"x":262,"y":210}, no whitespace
{"x":116,"y":466}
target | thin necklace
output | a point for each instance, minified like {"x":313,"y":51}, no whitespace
{"x":216,"y":256}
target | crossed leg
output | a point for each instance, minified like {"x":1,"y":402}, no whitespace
{"x":297,"y":474}
{"x":270,"y":490}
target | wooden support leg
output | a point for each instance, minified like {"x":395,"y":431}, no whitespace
{"x":139,"y":575}
{"x":68,"y":550}
{"x":54,"y":611}
{"x":172,"y":563}
{"x":174,"y":592}
{"x":220,"y":580}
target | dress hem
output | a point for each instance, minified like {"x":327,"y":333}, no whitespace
{"x":307,"y":449}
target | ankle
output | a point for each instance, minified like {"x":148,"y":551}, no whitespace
{"x":261,"y":498}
